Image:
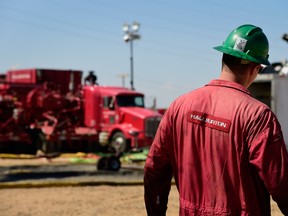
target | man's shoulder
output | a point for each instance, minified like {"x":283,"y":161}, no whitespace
{"x":186,"y":98}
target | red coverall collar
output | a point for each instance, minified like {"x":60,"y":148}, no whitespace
{"x":228,"y":84}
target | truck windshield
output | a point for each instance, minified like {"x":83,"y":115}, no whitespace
{"x":130,"y":101}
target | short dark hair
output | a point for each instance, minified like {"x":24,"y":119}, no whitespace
{"x":231,"y":60}
{"x":235,"y":64}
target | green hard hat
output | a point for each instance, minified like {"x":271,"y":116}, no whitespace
{"x":247,"y":42}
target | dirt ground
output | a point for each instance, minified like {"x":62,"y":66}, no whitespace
{"x":86,"y":201}
{"x":80,"y":201}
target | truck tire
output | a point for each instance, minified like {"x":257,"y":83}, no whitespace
{"x":111,"y":163}
{"x":103,"y":163}
{"x":119,"y":143}
{"x":114,"y":163}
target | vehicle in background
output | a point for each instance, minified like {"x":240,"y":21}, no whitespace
{"x":51,"y":111}
{"x":271,"y":87}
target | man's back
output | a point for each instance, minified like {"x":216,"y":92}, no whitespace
{"x":210,"y":134}
{"x":224,"y":148}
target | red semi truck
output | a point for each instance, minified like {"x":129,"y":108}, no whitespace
{"x":51,"y":111}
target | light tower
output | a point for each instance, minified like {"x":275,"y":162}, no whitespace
{"x":130,"y":34}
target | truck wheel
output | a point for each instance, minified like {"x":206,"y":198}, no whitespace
{"x":103,"y":163}
{"x":114,"y":163}
{"x":119,"y":142}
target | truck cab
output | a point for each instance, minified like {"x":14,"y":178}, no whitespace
{"x":120,"y":116}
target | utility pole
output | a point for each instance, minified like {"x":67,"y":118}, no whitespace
{"x":123,"y":76}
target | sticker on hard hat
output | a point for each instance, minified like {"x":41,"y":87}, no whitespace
{"x":210,"y":121}
{"x":240,"y":44}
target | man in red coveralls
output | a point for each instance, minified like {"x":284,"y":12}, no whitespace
{"x":224,"y":148}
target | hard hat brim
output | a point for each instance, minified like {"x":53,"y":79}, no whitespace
{"x":241,"y":55}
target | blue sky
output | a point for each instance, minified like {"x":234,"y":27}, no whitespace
{"x":173,"y":56}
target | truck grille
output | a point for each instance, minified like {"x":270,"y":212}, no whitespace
{"x":151,"y":125}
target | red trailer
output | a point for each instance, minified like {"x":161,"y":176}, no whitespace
{"x":51,"y":111}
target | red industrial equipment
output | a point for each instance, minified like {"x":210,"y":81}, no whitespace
{"x":51,"y":111}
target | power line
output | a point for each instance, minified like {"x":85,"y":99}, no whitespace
{"x":79,"y":34}
{"x":159,"y":46}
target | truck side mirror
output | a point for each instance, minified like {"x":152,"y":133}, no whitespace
{"x":112,"y":104}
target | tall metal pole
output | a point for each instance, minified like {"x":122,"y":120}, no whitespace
{"x":131,"y":65}
{"x":131,"y":34}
